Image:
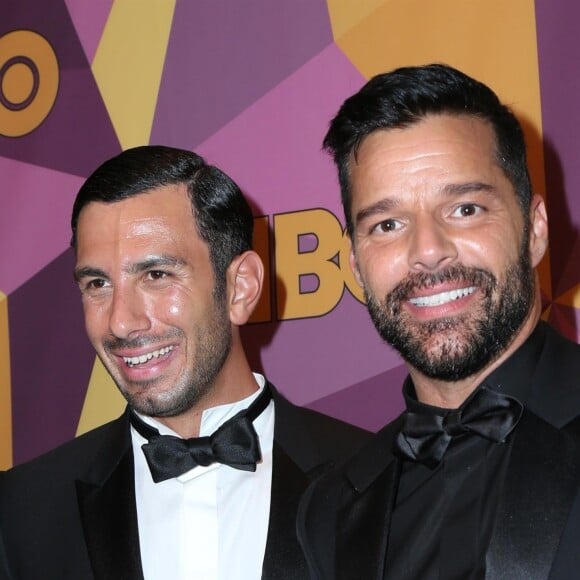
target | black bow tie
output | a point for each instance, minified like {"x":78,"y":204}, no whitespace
{"x":235,"y":444}
{"x":424,"y":437}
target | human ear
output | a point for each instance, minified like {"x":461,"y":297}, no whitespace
{"x":354,"y":267}
{"x":538,"y":230}
{"x":245,"y":278}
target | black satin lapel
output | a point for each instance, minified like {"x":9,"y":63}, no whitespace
{"x":4,"y":574}
{"x":363,"y":528}
{"x":540,"y":485}
{"x":284,"y":559}
{"x":109,"y":520}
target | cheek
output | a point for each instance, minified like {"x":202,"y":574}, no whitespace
{"x":96,"y":321}
{"x":172,"y":307}
{"x":496,"y":245}
{"x":381,"y":271}
{"x":494,"y":253}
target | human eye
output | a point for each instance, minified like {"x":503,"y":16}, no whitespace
{"x":155,"y":275}
{"x":386,"y":226}
{"x":467,"y":210}
{"x":93,"y":285}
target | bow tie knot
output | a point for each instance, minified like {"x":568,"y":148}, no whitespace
{"x":201,"y":450}
{"x":425,"y":437}
{"x":235,"y":444}
{"x":453,"y":424}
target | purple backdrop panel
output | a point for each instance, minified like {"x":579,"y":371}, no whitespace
{"x":222,"y":56}
{"x":281,"y":135}
{"x":77,"y":134}
{"x":34,"y":219}
{"x":370,"y":404}
{"x":569,"y":275}
{"x":273,"y":148}
{"x":557,"y":30}
{"x":89,"y":19}
{"x":47,"y":332}
{"x":311,"y":358}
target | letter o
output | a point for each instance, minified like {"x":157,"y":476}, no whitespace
{"x":29,"y":79}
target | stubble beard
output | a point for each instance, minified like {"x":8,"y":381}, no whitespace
{"x":456,"y":347}
{"x":212,"y":347}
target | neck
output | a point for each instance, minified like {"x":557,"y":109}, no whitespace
{"x":234,"y":383}
{"x":452,"y":394}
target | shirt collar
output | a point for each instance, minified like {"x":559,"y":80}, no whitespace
{"x":211,"y":420}
{"x":214,"y":417}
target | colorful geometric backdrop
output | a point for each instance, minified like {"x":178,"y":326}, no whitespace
{"x":251,"y":85}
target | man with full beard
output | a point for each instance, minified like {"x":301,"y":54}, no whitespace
{"x":201,"y":476}
{"x":477,"y":477}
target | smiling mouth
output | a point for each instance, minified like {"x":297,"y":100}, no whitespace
{"x":133,"y":361}
{"x":442,"y":297}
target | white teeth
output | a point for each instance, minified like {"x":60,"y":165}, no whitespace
{"x":135,"y":360}
{"x":442,"y":298}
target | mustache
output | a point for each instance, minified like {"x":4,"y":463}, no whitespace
{"x":479,"y":277}
{"x":139,"y":341}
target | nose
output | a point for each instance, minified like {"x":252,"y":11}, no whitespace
{"x":432,"y":247}
{"x":128,"y":313}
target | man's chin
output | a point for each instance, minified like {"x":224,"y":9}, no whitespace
{"x":147,"y":399}
{"x":450,"y":361}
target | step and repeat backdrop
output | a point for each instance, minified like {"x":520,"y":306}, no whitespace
{"x":251,"y":85}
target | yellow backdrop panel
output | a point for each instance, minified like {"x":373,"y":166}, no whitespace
{"x":128,"y":65}
{"x":344,"y":14}
{"x":103,"y":401}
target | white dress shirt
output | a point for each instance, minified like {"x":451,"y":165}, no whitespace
{"x":210,"y":523}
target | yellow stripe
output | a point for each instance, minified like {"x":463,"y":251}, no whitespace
{"x":344,"y":14}
{"x":129,"y":63}
{"x":103,"y":401}
{"x":5,"y":388}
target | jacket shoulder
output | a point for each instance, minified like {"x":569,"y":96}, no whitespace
{"x":69,"y":459}
{"x":299,"y":428}
{"x":339,"y":498}
{"x":555,"y":391}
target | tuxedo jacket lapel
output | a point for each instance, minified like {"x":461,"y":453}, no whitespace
{"x":363,"y":522}
{"x":542,"y":471}
{"x":295,"y":464}
{"x":108,"y":512}
{"x":306,"y":445}
{"x":283,"y":558}
{"x":107,"y":506}
{"x":363,"y":529}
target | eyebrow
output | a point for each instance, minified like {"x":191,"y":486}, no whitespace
{"x":88,"y":272}
{"x":451,"y":189}
{"x":153,"y":262}
{"x":149,"y":263}
{"x":380,"y":206}
{"x":470,"y":186}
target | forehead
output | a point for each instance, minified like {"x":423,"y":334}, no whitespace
{"x":437,"y":147}
{"x":160,"y":217}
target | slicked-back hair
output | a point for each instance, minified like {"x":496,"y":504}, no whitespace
{"x":405,"y":96}
{"x":222,"y":215}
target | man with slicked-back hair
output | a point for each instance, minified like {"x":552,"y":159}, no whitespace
{"x":200,"y":478}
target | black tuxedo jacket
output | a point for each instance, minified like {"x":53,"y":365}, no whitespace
{"x":344,"y":517}
{"x":71,"y":514}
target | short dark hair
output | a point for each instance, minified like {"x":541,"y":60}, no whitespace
{"x":406,"y":95}
{"x":222,"y":215}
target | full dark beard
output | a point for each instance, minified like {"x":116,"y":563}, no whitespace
{"x":453,"y":348}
